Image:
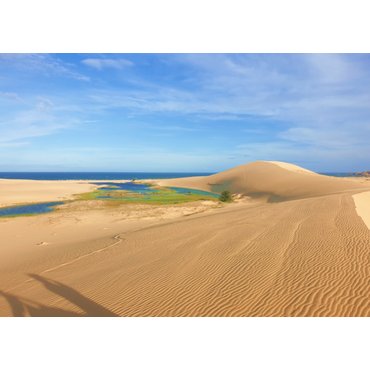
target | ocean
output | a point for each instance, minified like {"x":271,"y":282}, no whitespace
{"x":97,"y":175}
{"x":119,"y":175}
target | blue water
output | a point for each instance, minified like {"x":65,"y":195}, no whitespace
{"x":145,"y":189}
{"x":128,"y":186}
{"x":119,"y":175}
{"x":31,"y":209}
{"x":97,"y":175}
{"x":37,"y":208}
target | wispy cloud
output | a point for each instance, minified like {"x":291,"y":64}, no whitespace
{"x":279,"y":86}
{"x":10,"y":96}
{"x":331,"y":68}
{"x":101,"y":63}
{"x":44,"y":104}
{"x":45,"y":64}
{"x":35,"y":121}
{"x":29,"y":124}
{"x":311,"y":109}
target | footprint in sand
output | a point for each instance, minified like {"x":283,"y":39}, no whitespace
{"x":42,"y":244}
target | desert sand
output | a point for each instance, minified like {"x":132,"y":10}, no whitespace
{"x":30,"y":191}
{"x":295,"y":244}
{"x":291,"y":167}
{"x":362,"y":202}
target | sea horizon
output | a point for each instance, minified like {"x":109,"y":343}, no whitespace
{"x":96,"y":175}
{"x":117,"y":175}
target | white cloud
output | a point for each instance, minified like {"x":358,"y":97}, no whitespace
{"x":101,"y":63}
{"x":307,"y":108}
{"x":320,"y":99}
{"x":283,"y":87}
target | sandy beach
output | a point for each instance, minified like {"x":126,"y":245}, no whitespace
{"x":295,"y":244}
{"x":29,"y":191}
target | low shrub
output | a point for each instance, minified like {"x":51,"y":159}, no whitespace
{"x":225,"y":196}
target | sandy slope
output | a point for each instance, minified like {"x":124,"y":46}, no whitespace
{"x":362,"y":202}
{"x":269,"y":180}
{"x":29,"y":191}
{"x":303,"y":257}
{"x":291,"y":167}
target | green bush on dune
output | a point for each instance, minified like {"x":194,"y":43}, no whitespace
{"x":225,"y":196}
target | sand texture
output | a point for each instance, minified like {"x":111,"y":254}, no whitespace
{"x":30,"y":191}
{"x":362,"y":202}
{"x":307,"y":255}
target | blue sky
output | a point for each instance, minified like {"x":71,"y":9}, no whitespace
{"x":183,"y":112}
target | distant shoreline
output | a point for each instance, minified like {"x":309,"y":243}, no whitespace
{"x":77,"y":176}
{"x":96,"y":176}
{"x":340,"y":174}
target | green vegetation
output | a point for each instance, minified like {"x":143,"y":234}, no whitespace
{"x":159,"y":196}
{"x":225,"y":196}
{"x":91,"y":195}
{"x":155,"y":195}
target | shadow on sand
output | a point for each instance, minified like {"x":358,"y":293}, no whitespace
{"x":26,"y":307}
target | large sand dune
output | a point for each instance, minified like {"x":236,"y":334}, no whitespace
{"x":270,"y":180}
{"x":307,"y":256}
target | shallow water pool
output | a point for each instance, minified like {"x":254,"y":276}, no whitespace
{"x":28,"y":209}
{"x":147,"y":189}
{"x":127,"y":186}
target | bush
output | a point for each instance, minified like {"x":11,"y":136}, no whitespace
{"x":225,"y":196}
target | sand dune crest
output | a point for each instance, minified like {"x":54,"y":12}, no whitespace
{"x":273,"y":181}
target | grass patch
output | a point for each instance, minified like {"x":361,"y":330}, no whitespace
{"x":92,"y":195}
{"x":112,"y":198}
{"x":160,"y":196}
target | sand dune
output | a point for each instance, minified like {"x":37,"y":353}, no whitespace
{"x":308,"y":256}
{"x":291,"y":167}
{"x":270,"y":180}
{"x":362,"y":202}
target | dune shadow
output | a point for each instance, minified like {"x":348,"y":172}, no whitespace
{"x":25,"y":307}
